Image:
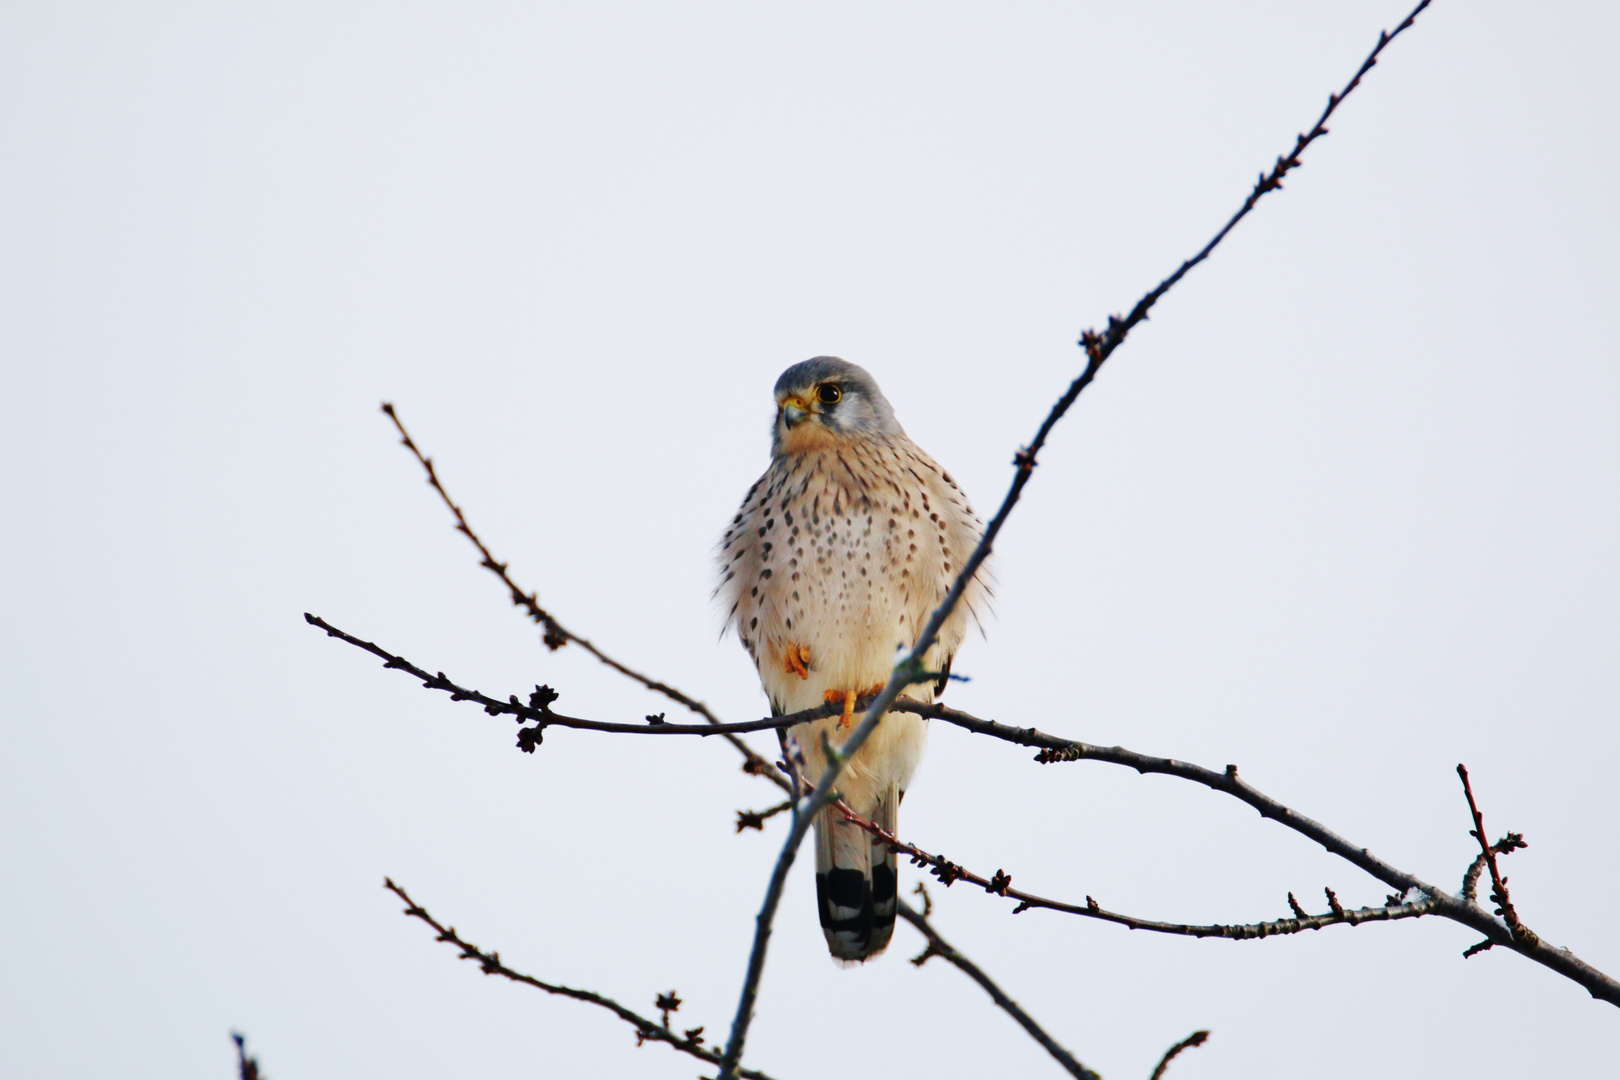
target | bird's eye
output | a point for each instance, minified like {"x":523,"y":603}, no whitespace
{"x":828,"y":393}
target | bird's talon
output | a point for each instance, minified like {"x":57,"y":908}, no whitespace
{"x":848,"y":698}
{"x":795,"y":659}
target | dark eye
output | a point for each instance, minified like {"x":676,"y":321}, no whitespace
{"x":828,"y":393}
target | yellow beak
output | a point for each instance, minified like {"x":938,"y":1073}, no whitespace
{"x":794,"y":410}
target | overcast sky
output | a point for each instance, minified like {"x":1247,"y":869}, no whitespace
{"x":1345,"y":512}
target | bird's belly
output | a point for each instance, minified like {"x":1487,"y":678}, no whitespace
{"x":889,"y":757}
{"x":847,"y":643}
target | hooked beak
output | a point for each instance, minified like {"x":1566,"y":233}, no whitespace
{"x":793,"y":411}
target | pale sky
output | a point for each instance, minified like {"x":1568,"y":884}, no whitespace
{"x":1345,"y":512}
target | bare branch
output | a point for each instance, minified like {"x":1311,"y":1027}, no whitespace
{"x":1522,"y":934}
{"x":756,"y":819}
{"x":539,"y":708}
{"x":687,"y":1042}
{"x":938,"y":946}
{"x":1452,"y":907}
{"x":1055,"y":749}
{"x":1098,"y":348}
{"x":556,"y":635}
{"x":1195,"y":1039}
{"x":1000,"y":884}
{"x":247,"y":1066}
{"x":909,"y":671}
{"x":1506,"y":846}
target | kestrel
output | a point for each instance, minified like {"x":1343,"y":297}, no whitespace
{"x":839,"y":555}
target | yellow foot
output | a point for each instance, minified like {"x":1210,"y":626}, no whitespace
{"x":794,"y":659}
{"x":849,"y":698}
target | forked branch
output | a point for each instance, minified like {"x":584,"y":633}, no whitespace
{"x":556,"y":634}
{"x":1522,"y":934}
{"x":1429,"y":899}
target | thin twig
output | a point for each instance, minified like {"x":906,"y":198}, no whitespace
{"x":1506,"y":846}
{"x":1522,"y":934}
{"x":1000,"y":884}
{"x":539,"y":711}
{"x":1100,"y":345}
{"x":687,"y":1042}
{"x":1195,"y":1039}
{"x":247,"y":1066}
{"x":756,"y":819}
{"x":938,"y":946}
{"x":556,"y":635}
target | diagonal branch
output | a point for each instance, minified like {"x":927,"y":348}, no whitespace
{"x":687,"y":1042}
{"x":556,"y":635}
{"x":1103,"y":344}
{"x":1098,"y":349}
{"x":938,"y":946}
{"x":949,"y":873}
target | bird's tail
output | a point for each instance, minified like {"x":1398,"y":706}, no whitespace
{"x":856,"y":883}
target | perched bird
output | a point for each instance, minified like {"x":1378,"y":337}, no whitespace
{"x":831,"y":569}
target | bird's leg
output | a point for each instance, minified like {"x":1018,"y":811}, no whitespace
{"x":794,"y":660}
{"x":852,"y":697}
{"x":848,"y":697}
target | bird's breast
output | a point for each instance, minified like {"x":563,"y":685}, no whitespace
{"x":839,"y":573}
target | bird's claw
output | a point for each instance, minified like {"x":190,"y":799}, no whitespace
{"x":849,"y":698}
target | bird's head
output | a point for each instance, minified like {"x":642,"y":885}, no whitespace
{"x":825,"y":401}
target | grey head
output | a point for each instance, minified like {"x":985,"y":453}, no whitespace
{"x":828,"y":396}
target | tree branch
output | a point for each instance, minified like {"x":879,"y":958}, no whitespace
{"x":247,"y":1066}
{"x":949,"y":873}
{"x":1522,"y":934}
{"x":1451,"y":907}
{"x":539,"y":708}
{"x":1195,"y":1039}
{"x":938,"y":946}
{"x":756,"y":819}
{"x":1055,"y":749}
{"x":1102,"y":345}
{"x":1098,"y":349}
{"x":687,"y":1042}
{"x":556,"y":635}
